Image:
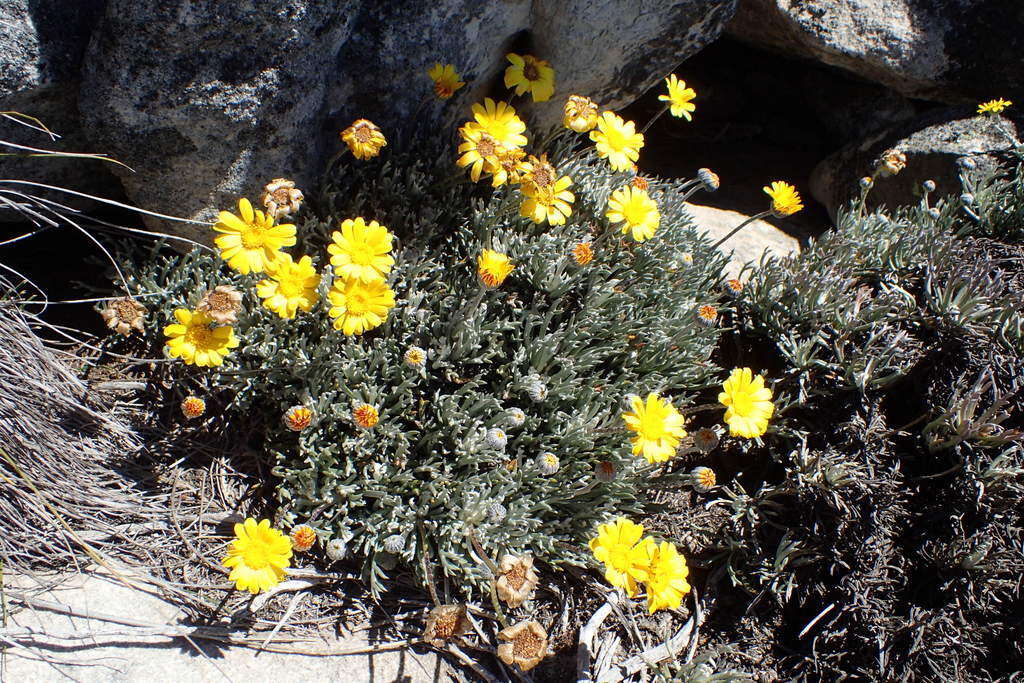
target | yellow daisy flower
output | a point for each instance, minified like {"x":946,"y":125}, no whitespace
{"x":617,"y":141}
{"x":580,"y":114}
{"x":499,"y":120}
{"x":359,"y":306}
{"x":510,"y":166}
{"x":492,"y":268}
{"x":748,"y":403}
{"x":532,"y":75}
{"x":364,"y":139}
{"x":679,"y":97}
{"x":250,"y":241}
{"x":785,"y":199}
{"x":258,"y":556}
{"x":196,"y":340}
{"x":994,"y":106}
{"x":637,"y":212}
{"x":480,"y":151}
{"x":291,"y":286}
{"x":666,"y":582}
{"x":551,"y":204}
{"x":658,"y":426}
{"x":446,"y":80}
{"x":361,"y":250}
{"x":626,"y":558}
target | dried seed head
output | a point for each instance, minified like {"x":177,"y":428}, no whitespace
{"x":525,"y":646}
{"x":222,"y":304}
{"x":891,"y":162}
{"x":516,"y":580}
{"x":705,"y":439}
{"x":445,"y":623}
{"x":280,"y":198}
{"x":605,"y":471}
{"x":124,"y":315}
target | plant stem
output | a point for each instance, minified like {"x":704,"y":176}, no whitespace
{"x":740,"y":227}
{"x":655,"y":118}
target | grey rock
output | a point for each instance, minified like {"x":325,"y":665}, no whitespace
{"x":209,"y":101}
{"x":944,"y":50}
{"x":932,"y":144}
{"x":748,"y":245}
{"x":41,"y":48}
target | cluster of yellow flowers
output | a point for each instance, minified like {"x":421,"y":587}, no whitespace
{"x":631,"y":559}
{"x":658,"y":425}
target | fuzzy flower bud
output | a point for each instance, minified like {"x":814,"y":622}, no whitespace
{"x":536,"y":389}
{"x":547,"y":463}
{"x":967,"y":163}
{"x":865,"y":183}
{"x":703,"y":479}
{"x":934,"y":213}
{"x":515,"y":417}
{"x":496,"y":513}
{"x":415,"y":357}
{"x":967,"y":198}
{"x":336,"y":549}
{"x":928,"y":186}
{"x":394,"y":544}
{"x":496,"y":438}
{"x":705,"y":440}
{"x":709,"y":179}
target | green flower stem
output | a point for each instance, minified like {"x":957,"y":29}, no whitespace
{"x":655,"y":118}
{"x":739,"y":227}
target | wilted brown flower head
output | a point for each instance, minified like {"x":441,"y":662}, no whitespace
{"x":605,"y":470}
{"x":445,"y":623}
{"x":526,"y":645}
{"x":124,"y":315}
{"x":281,"y":198}
{"x":891,"y":162}
{"x":222,"y":304}
{"x":516,"y":580}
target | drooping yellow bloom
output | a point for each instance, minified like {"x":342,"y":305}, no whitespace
{"x":532,"y":75}
{"x":748,"y":403}
{"x":359,"y":306}
{"x":480,"y":151}
{"x":785,"y":199}
{"x":994,"y":106}
{"x":679,"y":97}
{"x":617,"y":141}
{"x":250,"y":241}
{"x":258,"y":556}
{"x":364,"y":139}
{"x":666,"y":583}
{"x":626,"y":558}
{"x":361,"y":250}
{"x":492,"y":268}
{"x":580,"y":114}
{"x":637,"y":212}
{"x":446,"y":80}
{"x":290,"y":287}
{"x":499,"y":120}
{"x":551,"y":204}
{"x":509,"y":168}
{"x":658,"y":426}
{"x":196,"y":340}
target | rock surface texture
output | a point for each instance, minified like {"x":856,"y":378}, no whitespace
{"x":209,"y":101}
{"x":932,"y":144}
{"x":945,"y":50}
{"x":748,"y":245}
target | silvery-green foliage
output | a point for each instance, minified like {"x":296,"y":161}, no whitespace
{"x":561,"y":342}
